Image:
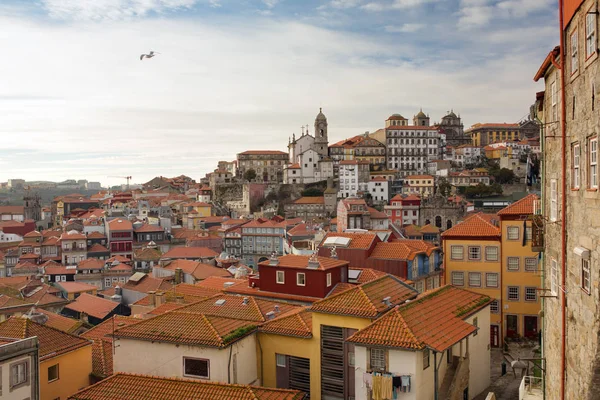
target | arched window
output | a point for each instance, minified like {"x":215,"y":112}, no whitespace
{"x":438,"y":221}
{"x":448,"y":224}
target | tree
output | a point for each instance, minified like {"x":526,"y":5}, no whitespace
{"x":250,"y":175}
{"x":505,"y":176}
{"x":444,"y":187}
{"x":312,"y":192}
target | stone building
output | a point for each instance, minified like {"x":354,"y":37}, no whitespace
{"x":571,"y":207}
{"x":268,"y":164}
{"x":32,"y":208}
{"x":452,"y":127}
{"x":362,"y":148}
{"x":442,"y":212}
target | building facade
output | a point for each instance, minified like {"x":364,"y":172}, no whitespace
{"x":353,"y":178}
{"x":267,"y":164}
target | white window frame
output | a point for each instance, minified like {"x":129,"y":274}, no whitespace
{"x":510,"y":230}
{"x":590,"y":34}
{"x":279,"y":358}
{"x":476,"y":252}
{"x":530,"y":294}
{"x":586,"y":277}
{"x":280,"y":278}
{"x":495,"y":307}
{"x":298,"y":276}
{"x":509,"y":292}
{"x":574,"y":52}
{"x":553,"y":277}
{"x":494,"y":256}
{"x":328,"y":279}
{"x":452,"y":254}
{"x":575,"y":168}
{"x":508,"y":262}
{"x":554,"y":101}
{"x":533,"y":261}
{"x":553,"y":200}
{"x":487,"y":280}
{"x":593,"y":163}
{"x":456,"y":275}
{"x":473,"y":282}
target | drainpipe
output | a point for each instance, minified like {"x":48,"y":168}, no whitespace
{"x":563,"y":203}
{"x":435,"y":376}
{"x":229,"y":364}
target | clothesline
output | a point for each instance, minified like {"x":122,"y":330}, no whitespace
{"x":383,"y":372}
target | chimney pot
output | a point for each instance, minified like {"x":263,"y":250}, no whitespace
{"x":151,"y":297}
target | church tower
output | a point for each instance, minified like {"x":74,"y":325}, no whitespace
{"x":32,"y":208}
{"x":321,"y":145}
{"x":421,"y":119}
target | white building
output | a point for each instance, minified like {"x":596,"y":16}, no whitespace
{"x":308,"y":167}
{"x":354,"y":178}
{"x":379,"y":189}
{"x":467,"y":154}
{"x":93,"y":186}
{"x":12,"y":213}
{"x":9,"y":237}
{"x":19,"y":369}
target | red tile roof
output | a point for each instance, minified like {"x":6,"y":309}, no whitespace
{"x":190,"y":252}
{"x":96,"y":235}
{"x":103,"y":331}
{"x":418,"y":177}
{"x":146,"y":284}
{"x":16,"y":210}
{"x":198,"y":270}
{"x":263,"y":152}
{"x":76,"y":287}
{"x":294,"y":166}
{"x":376,"y":214}
{"x":366,"y":300}
{"x":95,"y":306}
{"x":297,"y":323}
{"x":368,"y":274}
{"x":419,"y":245}
{"x":98,"y":248}
{"x":140,"y":387}
{"x":297,"y":261}
{"x":32,"y":234}
{"x":310,"y":200}
{"x":477,"y":225}
{"x":520,"y":207}
{"x":358,"y":240}
{"x":219,"y":283}
{"x":91,"y":263}
{"x":53,"y":342}
{"x":394,"y":251}
{"x":149,"y":228}
{"x":434,"y":320}
{"x":7,"y":301}
{"x":119,"y":224}
{"x":73,"y":235}
{"x":59,"y":322}
{"x":186,"y":328}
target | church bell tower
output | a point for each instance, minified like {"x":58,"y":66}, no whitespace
{"x":321,"y":145}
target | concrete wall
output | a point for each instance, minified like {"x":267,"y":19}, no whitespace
{"x":74,"y":369}
{"x":166,"y":359}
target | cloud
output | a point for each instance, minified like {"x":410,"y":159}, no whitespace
{"x":98,"y":10}
{"x":397,"y":5}
{"x":343,"y":4}
{"x":270,"y":3}
{"x":477,"y":13}
{"x":404,"y":28}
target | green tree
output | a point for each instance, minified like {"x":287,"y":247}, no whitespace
{"x":250,"y":175}
{"x":505,"y":176}
{"x":312,"y":192}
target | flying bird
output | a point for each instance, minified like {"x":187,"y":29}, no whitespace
{"x":149,"y":55}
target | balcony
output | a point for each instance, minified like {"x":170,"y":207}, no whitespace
{"x":531,"y":388}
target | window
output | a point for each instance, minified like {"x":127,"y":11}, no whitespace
{"x":53,"y":373}
{"x":456,"y":252}
{"x":530,"y":294}
{"x":491,"y":253}
{"x":593,"y":157}
{"x":425,"y":358}
{"x":585,"y":276}
{"x":513,"y":293}
{"x":280,"y":360}
{"x":575,"y":167}
{"x":458,"y":278}
{"x":531,"y":264}
{"x":19,"y":374}
{"x":474,"y":253}
{"x":328,"y":279}
{"x":554,"y":277}
{"x":495,"y":307}
{"x":554,"y":101}
{"x":512,"y":233}
{"x":590,"y":34}
{"x":574,"y":53}
{"x":491,"y":279}
{"x":281,"y":277}
{"x":377,"y":359}
{"x":196,"y":367}
{"x":553,"y":200}
{"x":300,"y":279}
{"x":475,"y":279}
{"x":513,"y":263}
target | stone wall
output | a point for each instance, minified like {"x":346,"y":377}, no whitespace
{"x":460,"y":381}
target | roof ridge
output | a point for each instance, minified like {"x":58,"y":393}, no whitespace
{"x":362,"y":291}
{"x":213,"y":329}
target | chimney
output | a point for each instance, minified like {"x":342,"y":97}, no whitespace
{"x":386,"y":301}
{"x":313,"y":261}
{"x":118,"y":291}
{"x":245,"y":301}
{"x":159,"y":299}
{"x":179,"y":299}
{"x":333,"y":253}
{"x":273,"y":260}
{"x":151,"y":297}
{"x":276,"y":308}
{"x":178,"y":276}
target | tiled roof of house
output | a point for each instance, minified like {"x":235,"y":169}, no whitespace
{"x":32,"y":234}
{"x":102,"y":358}
{"x":367,"y":300}
{"x":53,"y":342}
{"x":520,"y":207}
{"x":147,"y":254}
{"x":430,"y":229}
{"x":76,"y":287}
{"x":119,"y":224}
{"x":293,"y":166}
{"x":418,"y":177}
{"x":477,"y":225}
{"x":358,"y":240}
{"x":194,"y":290}
{"x":197,"y":269}
{"x":166,"y":307}
{"x":59,"y":322}
{"x":263,"y":152}
{"x":50,"y":241}
{"x":91,"y":263}
{"x":72,"y":235}
{"x":298,"y":261}
{"x":98,"y":248}
{"x":419,"y":245}
{"x":435,"y":320}
{"x":7,"y":301}
{"x":121,"y":267}
{"x":297,"y":323}
{"x":339,"y":288}
{"x":310,"y":200}
{"x":376,"y":214}
{"x":394,"y":251}
{"x":147,"y":283}
{"x":121,"y":259}
{"x":149,"y":228}
{"x":190,"y":252}
{"x":96,"y":235}
{"x":17,"y":210}
{"x":95,"y":306}
{"x":104,"y":329}
{"x":220,"y":283}
{"x":140,"y":387}
{"x":231,"y":306}
{"x":491,"y":125}
{"x":187,"y":328}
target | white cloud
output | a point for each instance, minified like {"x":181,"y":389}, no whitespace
{"x":404,"y":28}
{"x":270,"y":3}
{"x":476,"y":13}
{"x":343,"y":4}
{"x":397,"y":5}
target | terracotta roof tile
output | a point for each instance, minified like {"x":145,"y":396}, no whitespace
{"x":96,"y":235}
{"x":76,"y":287}
{"x":476,"y":225}
{"x":166,"y":307}
{"x":520,"y":207}
{"x":368,"y":274}
{"x":433,"y":320}
{"x":146,"y":284}
{"x":139,"y":387}
{"x":297,"y":323}
{"x":190,"y":252}
{"x":394,"y":251}
{"x":53,"y":342}
{"x":95,"y":306}
{"x":91,"y":263}
{"x":297,"y":261}
{"x":263,"y":152}
{"x":147,"y":254}
{"x":197,"y":269}
{"x":366,"y":300}
{"x":359,"y":240}
{"x":220,"y":283}
{"x":310,"y":200}
{"x":185,"y":328}
{"x":376,"y":214}
{"x":103,"y":331}
{"x":419,"y":245}
{"x":339,"y":288}
{"x":98,"y":248}
{"x":120,"y":224}
{"x":8,"y":301}
{"x":59,"y":322}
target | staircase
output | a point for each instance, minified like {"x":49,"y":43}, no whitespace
{"x":447,"y":382}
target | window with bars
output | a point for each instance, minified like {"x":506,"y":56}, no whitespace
{"x":377,"y":359}
{"x":456,"y":252}
{"x":531,"y":264}
{"x":491,"y":279}
{"x":495,"y":307}
{"x":513,"y":293}
{"x":458,"y":278}
{"x":530,"y":294}
{"x":593,"y":166}
{"x":513,"y":263}
{"x":590,"y":34}
{"x":475,"y":279}
{"x":474,"y":253}
{"x":575,"y":176}
{"x":585,"y":276}
{"x":491,"y":253}
{"x":512,"y":233}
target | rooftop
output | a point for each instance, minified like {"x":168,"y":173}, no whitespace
{"x":76,"y":287}
{"x":298,"y":261}
{"x":94,"y":306}
{"x":520,"y":207}
{"x":297,"y":323}
{"x":190,"y":252}
{"x":477,"y":225}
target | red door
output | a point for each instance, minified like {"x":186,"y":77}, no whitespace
{"x":531,"y":328}
{"x":512,"y":326}
{"x":495,"y":335}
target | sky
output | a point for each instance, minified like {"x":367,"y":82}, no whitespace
{"x":76,"y":102}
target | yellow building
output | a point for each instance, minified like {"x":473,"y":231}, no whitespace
{"x":422,"y":185}
{"x":472,"y":259}
{"x":491,"y":254}
{"x":495,"y":152}
{"x":484,"y":134}
{"x":199,"y":209}
{"x":65,"y":361}
{"x":294,"y":347}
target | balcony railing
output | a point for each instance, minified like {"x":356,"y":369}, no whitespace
{"x":531,"y":388}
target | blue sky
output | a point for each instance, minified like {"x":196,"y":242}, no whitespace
{"x":77,"y":103}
